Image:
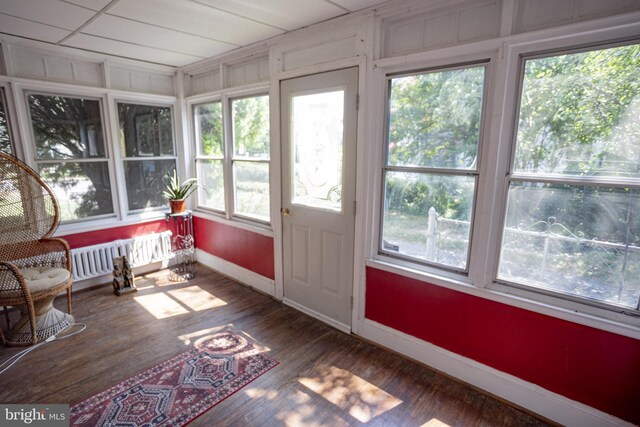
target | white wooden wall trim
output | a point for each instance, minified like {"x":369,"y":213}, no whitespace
{"x":522,"y":393}
{"x":237,"y":273}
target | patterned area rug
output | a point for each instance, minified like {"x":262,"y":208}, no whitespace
{"x":175,"y":392}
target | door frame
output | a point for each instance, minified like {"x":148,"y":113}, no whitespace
{"x":361,"y":238}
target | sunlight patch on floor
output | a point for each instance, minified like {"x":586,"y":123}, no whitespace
{"x":196,"y":298}
{"x":433,"y":422}
{"x":302,"y":414}
{"x":160,"y":305}
{"x":192,"y":336}
{"x":363,"y":400}
{"x":257,"y":393}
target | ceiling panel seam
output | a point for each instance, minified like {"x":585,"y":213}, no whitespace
{"x":89,"y":21}
{"x":34,"y":21}
{"x":169,"y":29}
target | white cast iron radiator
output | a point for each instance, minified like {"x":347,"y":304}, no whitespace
{"x":97,"y":260}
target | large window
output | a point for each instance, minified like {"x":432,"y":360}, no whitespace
{"x":146,"y":143}
{"x":431,"y":165}
{"x":233,"y":169}
{"x":70,"y":153}
{"x":210,"y":155}
{"x":572,"y":223}
{"x":5,"y":133}
{"x":250,"y":118}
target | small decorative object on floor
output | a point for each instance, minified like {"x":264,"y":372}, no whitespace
{"x":175,"y":392}
{"x":122,"y":276}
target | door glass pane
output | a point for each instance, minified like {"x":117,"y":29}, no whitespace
{"x":83,"y":189}
{"x":252,"y":189}
{"x":428,"y":217}
{"x":317,"y":149}
{"x":578,"y":240}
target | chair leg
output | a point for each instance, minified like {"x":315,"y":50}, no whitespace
{"x":32,"y":319}
{"x":6,"y":313}
{"x":6,"y":316}
{"x":69,"y":299}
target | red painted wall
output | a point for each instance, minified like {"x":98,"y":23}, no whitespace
{"x":242,"y":247}
{"x":595,"y":367}
{"x":80,"y":240}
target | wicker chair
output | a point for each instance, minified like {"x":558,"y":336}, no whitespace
{"x":34,"y":267}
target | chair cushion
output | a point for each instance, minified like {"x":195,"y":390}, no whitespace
{"x":44,"y":278}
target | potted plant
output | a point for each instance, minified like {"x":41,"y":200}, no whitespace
{"x":177,"y":193}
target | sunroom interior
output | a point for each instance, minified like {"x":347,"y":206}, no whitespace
{"x":457,"y":182}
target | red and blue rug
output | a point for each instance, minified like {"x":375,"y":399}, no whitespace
{"x":177,"y":391}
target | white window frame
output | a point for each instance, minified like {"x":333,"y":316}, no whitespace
{"x":120,"y":158}
{"x":430,"y":170}
{"x":549,"y":296}
{"x":233,"y":158}
{"x":491,"y":195}
{"x":30,"y":149}
{"x":17,"y":91}
{"x":225,"y":97}
{"x":198,"y":156}
{"x":5,"y":98}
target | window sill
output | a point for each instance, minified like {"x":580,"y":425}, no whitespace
{"x":258,"y":228}
{"x":582,"y":314}
{"x":107,"y":223}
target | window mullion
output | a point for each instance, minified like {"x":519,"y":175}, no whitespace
{"x":229,"y":193}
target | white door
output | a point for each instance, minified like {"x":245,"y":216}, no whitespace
{"x":318,"y":191}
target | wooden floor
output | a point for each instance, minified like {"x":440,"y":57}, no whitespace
{"x":325,"y":377}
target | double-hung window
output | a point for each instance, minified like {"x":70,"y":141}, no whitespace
{"x":572,"y":222}
{"x":148,"y":152}
{"x":210,"y":155}
{"x":5,"y":132}
{"x":430,"y":172}
{"x":250,"y":162}
{"x":70,"y":153}
{"x":233,"y":166}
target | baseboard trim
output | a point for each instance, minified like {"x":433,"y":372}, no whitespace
{"x":550,"y":405}
{"x":338,"y":325}
{"x":234,"y":271}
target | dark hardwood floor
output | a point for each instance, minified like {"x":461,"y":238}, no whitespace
{"x":325,"y":377}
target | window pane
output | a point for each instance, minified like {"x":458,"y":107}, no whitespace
{"x":5,"y":137}
{"x":434,"y":119}
{"x":252,"y":189}
{"x":66,"y":128}
{"x":211,"y":180}
{"x":145,"y":131}
{"x":580,"y":114}
{"x":578,"y":240}
{"x":145,"y":184}
{"x":82,"y":188}
{"x":428,"y":217}
{"x":317,"y":145}
{"x":208,"y":125}
{"x":251,"y":127}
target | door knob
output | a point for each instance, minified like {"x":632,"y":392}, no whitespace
{"x":285,"y":212}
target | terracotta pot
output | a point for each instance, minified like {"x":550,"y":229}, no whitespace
{"x":178,"y":206}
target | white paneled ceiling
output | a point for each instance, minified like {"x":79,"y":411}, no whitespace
{"x":168,"y":32}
